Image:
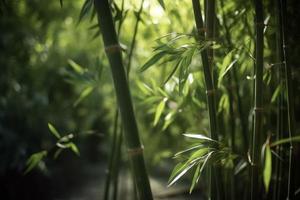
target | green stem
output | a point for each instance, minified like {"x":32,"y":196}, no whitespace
{"x":258,"y":101}
{"x":131,"y":133}
{"x":111,"y":158}
{"x":133,"y":41}
{"x":117,"y":163}
{"x":236,"y":86}
{"x":280,"y":104}
{"x":216,"y":187}
{"x":290,"y":100}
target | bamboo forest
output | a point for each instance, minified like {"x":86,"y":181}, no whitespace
{"x":149,"y":99}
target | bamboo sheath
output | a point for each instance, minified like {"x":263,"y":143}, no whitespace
{"x":113,"y":51}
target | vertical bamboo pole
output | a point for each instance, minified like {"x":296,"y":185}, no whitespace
{"x":134,"y":147}
{"x":258,"y":101}
{"x":216,"y":187}
{"x":290,"y":100}
{"x":243,"y":119}
{"x":280,"y":102}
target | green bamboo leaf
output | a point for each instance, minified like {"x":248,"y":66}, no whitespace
{"x":195,"y":178}
{"x":162,"y":4}
{"x":199,"y":136}
{"x":74,"y":148}
{"x":57,"y":153}
{"x":188,"y":150}
{"x":77,"y":68}
{"x":180,"y":166}
{"x":285,"y":140}
{"x":198,"y":155}
{"x":267,"y":167}
{"x":183,"y":74}
{"x":83,"y":95}
{"x":159,"y":110}
{"x":172,"y":72}
{"x":87,"y":6}
{"x":54,"y":131}
{"x":227,"y":64}
{"x":276,"y":93}
{"x":182,"y":172}
{"x":34,"y":160}
{"x":61,"y":3}
{"x":66,"y":138}
{"x":153,"y":60}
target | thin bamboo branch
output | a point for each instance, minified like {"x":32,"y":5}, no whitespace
{"x":113,"y":51}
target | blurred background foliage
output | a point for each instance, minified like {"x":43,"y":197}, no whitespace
{"x":54,"y":69}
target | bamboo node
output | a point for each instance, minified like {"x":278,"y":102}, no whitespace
{"x":135,"y":151}
{"x":113,"y":48}
{"x":200,"y":30}
{"x":261,"y":24}
{"x":258,"y":109}
{"x":210,"y":92}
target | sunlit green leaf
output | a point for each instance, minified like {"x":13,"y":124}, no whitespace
{"x":77,"y":68}
{"x":34,"y":160}
{"x":84,"y":94}
{"x":276,"y":93}
{"x":182,"y":172}
{"x":153,"y":60}
{"x":53,"y":131}
{"x":159,"y":110}
{"x":195,"y":178}
{"x":74,"y":148}
{"x":198,"y":136}
{"x":267,"y":167}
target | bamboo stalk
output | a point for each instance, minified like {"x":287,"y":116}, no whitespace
{"x":109,"y":172}
{"x":258,"y":101}
{"x":117,"y":164}
{"x":216,"y":187}
{"x":290,"y":100}
{"x":133,"y":41}
{"x":280,"y":103}
{"x":134,"y":147}
{"x":236,"y":86}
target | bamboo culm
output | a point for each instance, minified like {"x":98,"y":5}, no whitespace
{"x":290,"y":100}
{"x":131,"y":134}
{"x":258,"y":102}
{"x":216,"y":187}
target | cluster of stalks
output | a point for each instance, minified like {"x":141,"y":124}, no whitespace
{"x":251,"y":143}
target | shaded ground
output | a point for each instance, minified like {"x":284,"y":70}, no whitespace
{"x":92,"y":186}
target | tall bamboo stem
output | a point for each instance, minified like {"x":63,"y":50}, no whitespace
{"x":280,"y":103}
{"x":290,"y":100}
{"x":243,"y":120}
{"x":258,"y":100}
{"x":113,"y":51}
{"x":216,"y":187}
